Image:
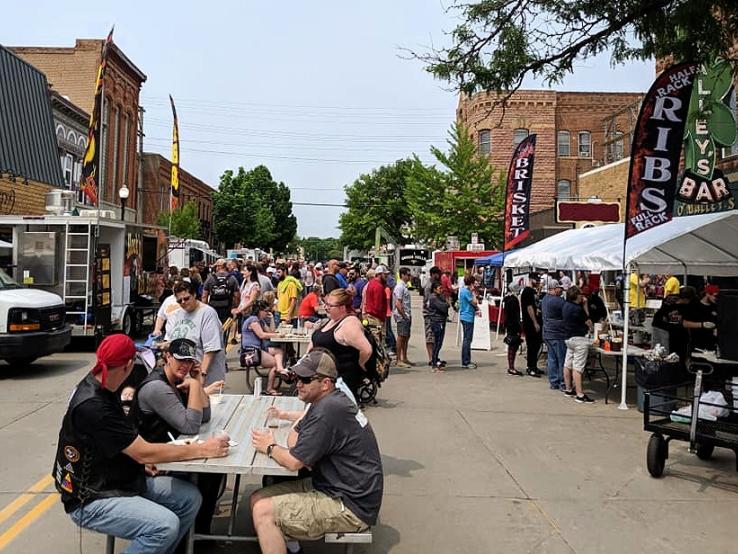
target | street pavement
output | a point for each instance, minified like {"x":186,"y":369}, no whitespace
{"x":475,"y":462}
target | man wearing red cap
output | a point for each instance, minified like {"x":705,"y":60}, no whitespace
{"x":99,"y":465}
{"x":700,"y":318}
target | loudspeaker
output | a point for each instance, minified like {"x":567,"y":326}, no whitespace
{"x":728,"y":324}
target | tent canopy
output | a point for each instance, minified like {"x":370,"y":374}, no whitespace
{"x":697,"y":245}
{"x":4,"y":244}
{"x":495,"y":260}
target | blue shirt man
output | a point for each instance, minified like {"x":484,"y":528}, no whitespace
{"x":554,"y":333}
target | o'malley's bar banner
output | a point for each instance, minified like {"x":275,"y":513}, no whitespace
{"x":90,"y":178}
{"x":657,"y":145}
{"x":517,"y":197}
{"x":174,"y":192}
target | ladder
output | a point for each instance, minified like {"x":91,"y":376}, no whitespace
{"x":77,"y":253}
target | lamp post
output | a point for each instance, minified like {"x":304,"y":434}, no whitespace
{"x":123,"y":195}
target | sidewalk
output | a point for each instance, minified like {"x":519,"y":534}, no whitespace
{"x":477,"y":461}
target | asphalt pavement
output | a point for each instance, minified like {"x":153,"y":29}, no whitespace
{"x":475,"y":461}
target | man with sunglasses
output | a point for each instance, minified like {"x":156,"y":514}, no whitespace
{"x":335,"y":440}
{"x":199,"y":323}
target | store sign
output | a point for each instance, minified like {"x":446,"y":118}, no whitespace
{"x":587,"y":212}
{"x":711,"y":125}
{"x":657,"y":146}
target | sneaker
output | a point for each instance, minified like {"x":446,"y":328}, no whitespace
{"x":400,"y":363}
{"x":469,"y":366}
{"x":584,"y":399}
{"x":440,"y":367}
{"x":442,"y":362}
{"x":534,"y":373}
{"x":514,"y":372}
{"x":569,"y":393}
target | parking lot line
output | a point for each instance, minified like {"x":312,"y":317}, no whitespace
{"x":25,"y":498}
{"x":37,"y":511}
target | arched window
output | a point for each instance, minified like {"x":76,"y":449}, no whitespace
{"x":72,"y":137}
{"x":563,"y":190}
{"x":60,"y":131}
{"x":519,"y":136}
{"x":82,"y":141}
{"x":564,"y":141}
{"x":485,"y":145}
{"x":585,"y":144}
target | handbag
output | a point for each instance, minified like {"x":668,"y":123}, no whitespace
{"x":250,"y":356}
{"x":512,"y":340}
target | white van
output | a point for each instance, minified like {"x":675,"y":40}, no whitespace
{"x":32,"y":323}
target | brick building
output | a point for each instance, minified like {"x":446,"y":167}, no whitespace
{"x":157,"y":172}
{"x":72,"y":73}
{"x":71,"y":124}
{"x":571,"y":139}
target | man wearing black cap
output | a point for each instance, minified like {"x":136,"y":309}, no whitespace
{"x":99,"y":465}
{"x":173,"y":401}
{"x":334,"y":439}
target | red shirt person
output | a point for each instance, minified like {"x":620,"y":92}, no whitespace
{"x":375,"y":297}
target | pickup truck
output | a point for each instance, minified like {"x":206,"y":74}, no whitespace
{"x":32,"y":323}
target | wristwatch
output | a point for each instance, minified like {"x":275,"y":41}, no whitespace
{"x":270,"y":448}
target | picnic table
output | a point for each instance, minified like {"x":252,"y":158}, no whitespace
{"x":292,"y":338}
{"x":238,"y":415}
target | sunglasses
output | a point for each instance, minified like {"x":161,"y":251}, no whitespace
{"x":184,"y":299}
{"x":308,"y":380}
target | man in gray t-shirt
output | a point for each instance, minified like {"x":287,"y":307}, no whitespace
{"x":333,"y":438}
{"x":199,"y":323}
{"x":401,"y":313}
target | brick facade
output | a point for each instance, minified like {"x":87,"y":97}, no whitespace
{"x":23,"y":198}
{"x":72,"y":72}
{"x":546,"y":113}
{"x":156,"y":183}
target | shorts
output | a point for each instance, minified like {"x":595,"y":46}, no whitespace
{"x":428,"y":331}
{"x":577,"y":353}
{"x":403,"y":327}
{"x":302,"y":513}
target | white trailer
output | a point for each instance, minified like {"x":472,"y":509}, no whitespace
{"x":98,"y":265}
{"x":187,"y":252}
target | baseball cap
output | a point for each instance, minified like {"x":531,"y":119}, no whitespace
{"x":183,"y":349}
{"x":553,"y":284}
{"x":712,"y":289}
{"x":343,"y":265}
{"x":380,"y":269}
{"x":317,"y":361}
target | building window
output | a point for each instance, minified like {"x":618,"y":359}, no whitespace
{"x":616,"y":147}
{"x":585,"y":148}
{"x":102,"y":172}
{"x":67,"y":163}
{"x":564,"y":141}
{"x":485,"y":137}
{"x":82,"y":141}
{"x":519,"y":136}
{"x":124,"y":162}
{"x":60,"y":132}
{"x":563,"y":190}
{"x":114,"y":173}
{"x":77,"y":174}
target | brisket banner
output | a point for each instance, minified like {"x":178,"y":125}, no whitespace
{"x":174,"y":192}
{"x":517,"y":197}
{"x":90,"y":178}
{"x":657,"y":145}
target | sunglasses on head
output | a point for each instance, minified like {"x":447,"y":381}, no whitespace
{"x":184,"y":299}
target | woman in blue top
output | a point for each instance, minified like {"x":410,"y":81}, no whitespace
{"x":255,"y":349}
{"x":467,"y":312}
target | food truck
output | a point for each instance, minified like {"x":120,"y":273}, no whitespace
{"x":103,"y":269}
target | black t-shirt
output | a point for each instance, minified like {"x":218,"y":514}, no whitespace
{"x":330,"y":283}
{"x":512,"y":313}
{"x":575,"y":320}
{"x":698,"y":312}
{"x":337,"y":442}
{"x":529,"y":298}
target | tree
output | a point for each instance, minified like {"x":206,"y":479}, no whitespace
{"x":464,"y":198}
{"x":319,"y":249}
{"x":373,"y":200}
{"x":252,"y":209}
{"x":184,"y":221}
{"x":500,"y":42}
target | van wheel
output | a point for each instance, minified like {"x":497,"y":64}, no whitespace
{"x":22,"y":362}
{"x":127,"y":326}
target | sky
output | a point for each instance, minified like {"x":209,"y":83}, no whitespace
{"x":320,"y":92}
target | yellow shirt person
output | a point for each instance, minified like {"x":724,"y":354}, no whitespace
{"x":671,"y":286}
{"x":638,"y":291}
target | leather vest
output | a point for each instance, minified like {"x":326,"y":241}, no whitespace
{"x":152,"y":427}
{"x":81,"y":473}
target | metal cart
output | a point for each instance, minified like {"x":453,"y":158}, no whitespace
{"x":703,"y":435}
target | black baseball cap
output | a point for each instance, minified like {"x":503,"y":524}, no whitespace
{"x":183,"y":349}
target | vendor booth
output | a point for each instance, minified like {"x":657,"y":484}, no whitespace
{"x":695,"y":245}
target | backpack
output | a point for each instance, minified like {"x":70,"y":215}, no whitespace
{"x":220,"y":292}
{"x":377,"y":366}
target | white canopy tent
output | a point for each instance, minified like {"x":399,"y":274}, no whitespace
{"x":697,"y":245}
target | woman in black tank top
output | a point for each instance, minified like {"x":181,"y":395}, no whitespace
{"x":343,"y":336}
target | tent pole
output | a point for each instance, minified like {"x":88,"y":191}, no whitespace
{"x":503,"y":291}
{"x":626,"y":323}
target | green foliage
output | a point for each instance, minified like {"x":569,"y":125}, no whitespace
{"x":465,"y":196}
{"x":499,"y":43}
{"x":318,"y":249}
{"x":252,"y":209}
{"x":185,"y":223}
{"x":373,"y":200}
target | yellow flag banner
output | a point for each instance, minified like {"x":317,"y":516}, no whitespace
{"x":90,"y":179}
{"x":174,"y":193}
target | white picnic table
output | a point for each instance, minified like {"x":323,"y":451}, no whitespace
{"x":238,"y":415}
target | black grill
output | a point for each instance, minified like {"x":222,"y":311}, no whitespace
{"x":52,"y":318}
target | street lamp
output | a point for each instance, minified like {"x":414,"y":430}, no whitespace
{"x":123,"y":194}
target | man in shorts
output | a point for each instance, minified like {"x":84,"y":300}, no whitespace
{"x":434,"y":276}
{"x":401,"y":312}
{"x":577,"y":325}
{"x":333,"y":438}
